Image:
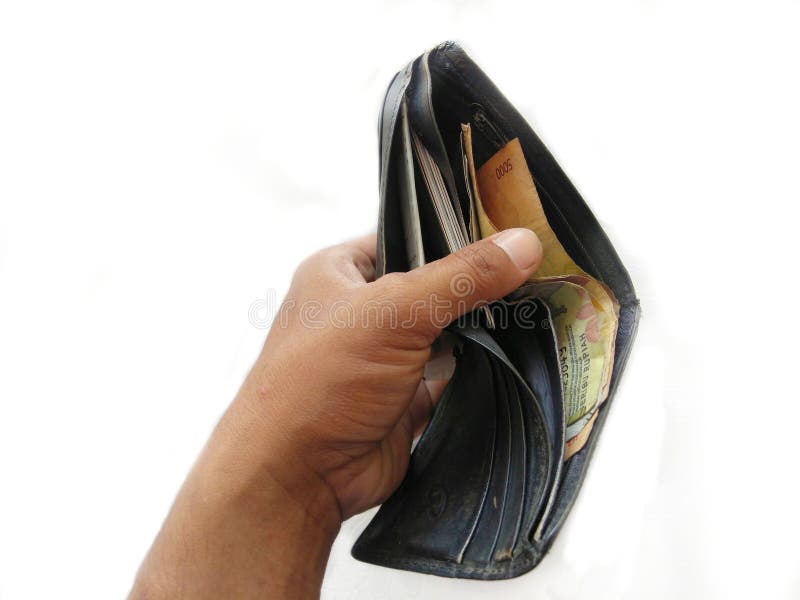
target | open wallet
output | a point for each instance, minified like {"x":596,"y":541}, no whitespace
{"x":496,"y":471}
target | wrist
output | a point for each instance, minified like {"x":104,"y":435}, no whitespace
{"x":249,"y":518}
{"x":275,"y":453}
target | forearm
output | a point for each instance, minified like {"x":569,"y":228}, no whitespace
{"x":241,"y":527}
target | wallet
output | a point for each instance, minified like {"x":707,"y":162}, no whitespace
{"x":488,"y":487}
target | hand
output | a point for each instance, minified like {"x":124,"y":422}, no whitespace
{"x":322,"y":427}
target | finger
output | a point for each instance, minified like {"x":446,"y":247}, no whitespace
{"x":367,"y":244}
{"x":350,"y":262}
{"x":482,"y":272}
{"x":359,"y":253}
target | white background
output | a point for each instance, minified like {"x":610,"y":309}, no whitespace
{"x":165,"y":164}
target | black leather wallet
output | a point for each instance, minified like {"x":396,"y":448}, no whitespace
{"x":487,"y":489}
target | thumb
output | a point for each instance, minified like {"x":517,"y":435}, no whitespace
{"x":443,"y":290}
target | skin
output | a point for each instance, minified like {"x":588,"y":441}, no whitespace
{"x":322,"y":427}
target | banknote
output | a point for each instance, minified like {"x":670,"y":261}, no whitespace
{"x":585,"y":312}
{"x":582,"y":356}
{"x":470,"y":180}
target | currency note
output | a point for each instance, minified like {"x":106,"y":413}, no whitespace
{"x":585,"y":312}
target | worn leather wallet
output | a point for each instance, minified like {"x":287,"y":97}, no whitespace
{"x":488,"y":487}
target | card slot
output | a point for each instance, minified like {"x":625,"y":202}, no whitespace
{"x":434,"y":512}
{"x":533,"y":349}
{"x":544,"y":457}
{"x":482,"y":545}
{"x":534,"y":352}
{"x":391,"y":252}
{"x":514,"y":504}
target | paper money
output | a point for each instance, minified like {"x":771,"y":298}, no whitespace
{"x":585,"y":312}
{"x":581,"y":351}
{"x":470,"y":181}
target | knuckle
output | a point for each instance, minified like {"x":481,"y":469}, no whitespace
{"x":314,"y":265}
{"x":392,"y":284}
{"x":480,"y":263}
{"x":392,"y":306}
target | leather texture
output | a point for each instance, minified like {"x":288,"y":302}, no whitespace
{"x":487,"y":489}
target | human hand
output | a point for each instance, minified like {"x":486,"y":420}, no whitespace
{"x":322,"y":427}
{"x":340,"y":376}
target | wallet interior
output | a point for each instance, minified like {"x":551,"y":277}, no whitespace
{"x":487,"y":488}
